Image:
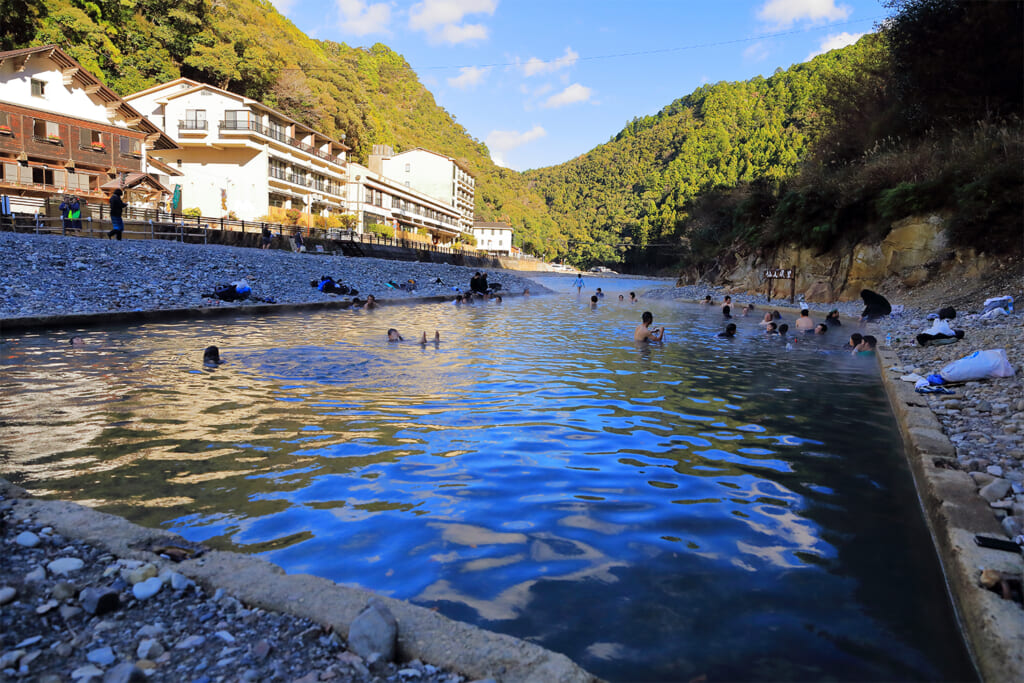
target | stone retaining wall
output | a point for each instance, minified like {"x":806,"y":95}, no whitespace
{"x":993,"y":627}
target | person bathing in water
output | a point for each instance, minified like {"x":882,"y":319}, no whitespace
{"x":437,"y":338}
{"x":644,"y":332}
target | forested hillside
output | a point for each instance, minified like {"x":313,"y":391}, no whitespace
{"x":923,"y":116}
{"x":370,"y":95}
{"x":636,"y":188}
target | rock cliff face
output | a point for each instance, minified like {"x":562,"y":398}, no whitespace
{"x":915,"y":251}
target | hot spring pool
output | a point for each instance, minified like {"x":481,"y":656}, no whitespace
{"x":705,"y":507}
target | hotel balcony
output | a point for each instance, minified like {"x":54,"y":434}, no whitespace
{"x":276,"y":135}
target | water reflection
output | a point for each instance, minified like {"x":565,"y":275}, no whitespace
{"x":702,"y":507}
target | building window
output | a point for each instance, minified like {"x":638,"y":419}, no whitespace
{"x":46,"y":131}
{"x":130,"y":147}
{"x":5,"y":124}
{"x":277,"y":131}
{"x":195,"y":119}
{"x":38,"y":88}
{"x":237,"y":119}
{"x":42,"y":176}
{"x":91,"y":139}
{"x":408,"y":167}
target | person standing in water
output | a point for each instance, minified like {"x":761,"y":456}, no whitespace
{"x":578,"y":284}
{"x":644,"y":332}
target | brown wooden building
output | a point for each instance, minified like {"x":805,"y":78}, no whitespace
{"x":63,"y":132}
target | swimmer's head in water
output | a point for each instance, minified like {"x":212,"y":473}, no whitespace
{"x":730,"y":329}
{"x":822,"y":328}
{"x":771,"y":328}
{"x":76,"y":341}
{"x":727,"y":311}
{"x":393,"y":335}
{"x":593,"y":299}
{"x":211,"y":355}
{"x":647,"y":317}
{"x":783,"y":328}
{"x":856,"y":339}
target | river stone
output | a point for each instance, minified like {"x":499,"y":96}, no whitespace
{"x":103,"y":656}
{"x":37,"y":574}
{"x":87,"y":672}
{"x":190,"y":642}
{"x":140,"y":574}
{"x":65,"y":566}
{"x":27,"y":539}
{"x":99,"y":601}
{"x":1012,"y":526}
{"x":374,"y":631}
{"x":7,"y":594}
{"x":148,"y":588}
{"x":149,"y":648}
{"x":995,"y":490}
{"x":995,"y":470}
{"x":62,"y":590}
{"x":125,"y":672}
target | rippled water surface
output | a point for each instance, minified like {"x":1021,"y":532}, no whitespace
{"x":703,"y":507}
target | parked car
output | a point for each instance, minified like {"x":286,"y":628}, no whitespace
{"x":602,"y":269}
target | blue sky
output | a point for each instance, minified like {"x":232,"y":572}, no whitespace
{"x":543,"y":81}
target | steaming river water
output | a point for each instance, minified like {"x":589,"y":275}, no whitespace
{"x":702,"y":507}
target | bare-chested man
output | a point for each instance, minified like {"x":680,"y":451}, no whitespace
{"x":644,"y":332}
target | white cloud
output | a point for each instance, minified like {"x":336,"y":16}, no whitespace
{"x":499,"y":142}
{"x":469,"y":76}
{"x":359,"y":18}
{"x":836,"y":41}
{"x":534,"y":66}
{"x":757,"y":52}
{"x":571,"y":95}
{"x":283,"y":6}
{"x":788,"y":12}
{"x":441,"y":20}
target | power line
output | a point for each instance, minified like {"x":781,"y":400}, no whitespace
{"x":619,"y":55}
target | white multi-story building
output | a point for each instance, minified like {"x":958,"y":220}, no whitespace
{"x":240,"y":158}
{"x":494,"y":238}
{"x":431,"y":173}
{"x":375,"y":199}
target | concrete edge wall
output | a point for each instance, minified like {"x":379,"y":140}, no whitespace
{"x":992,"y":627}
{"x":45,"y":322}
{"x":423,"y":634}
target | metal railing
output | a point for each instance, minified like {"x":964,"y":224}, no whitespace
{"x":155,"y":224}
{"x":191,"y":124}
{"x":266,"y":131}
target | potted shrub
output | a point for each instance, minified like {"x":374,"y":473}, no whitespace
{"x":55,"y":139}
{"x":5,"y":129}
{"x":98,"y":146}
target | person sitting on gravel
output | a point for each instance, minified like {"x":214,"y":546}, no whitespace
{"x":875,"y":306}
{"x":855,"y":340}
{"x":805,"y":323}
{"x":940,"y":333}
{"x":266,"y":238}
{"x":832,"y":319}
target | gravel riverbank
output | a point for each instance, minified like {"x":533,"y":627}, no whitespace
{"x":55,"y":275}
{"x":72,"y":612}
